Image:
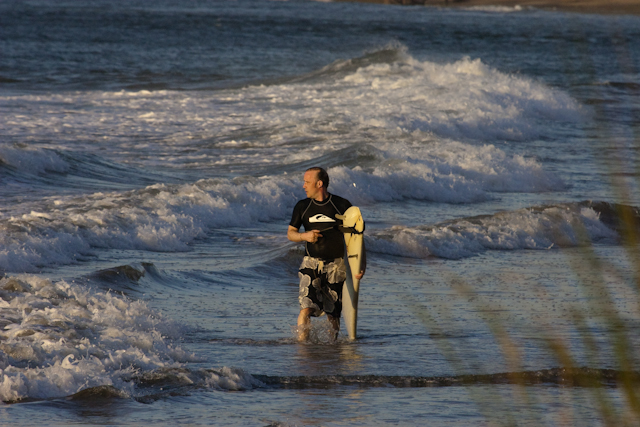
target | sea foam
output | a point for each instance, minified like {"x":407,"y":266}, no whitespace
{"x":397,"y":128}
{"x":170,"y":217}
{"x":60,"y":338}
{"x":535,"y":228}
{"x":386,"y":97}
{"x":232,"y":379}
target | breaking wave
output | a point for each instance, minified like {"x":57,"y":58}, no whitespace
{"x":543,"y":227}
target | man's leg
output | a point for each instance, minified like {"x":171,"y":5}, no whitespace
{"x":304,"y":321}
{"x":335,"y":325}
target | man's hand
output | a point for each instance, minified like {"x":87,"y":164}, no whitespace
{"x":363,"y":266}
{"x":311,"y":236}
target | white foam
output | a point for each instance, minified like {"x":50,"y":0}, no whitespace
{"x":232,"y":379}
{"x":446,"y":171}
{"x":417,"y":129}
{"x":465,"y":99}
{"x":404,"y":100}
{"x":560,"y":226}
{"x":158,"y":218}
{"x":60,"y":338}
{"x":170,"y":217}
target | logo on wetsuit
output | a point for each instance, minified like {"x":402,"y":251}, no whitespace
{"x":321,"y":218}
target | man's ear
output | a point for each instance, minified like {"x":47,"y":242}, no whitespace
{"x":320,"y":183}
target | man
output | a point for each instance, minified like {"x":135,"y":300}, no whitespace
{"x":323,"y":271}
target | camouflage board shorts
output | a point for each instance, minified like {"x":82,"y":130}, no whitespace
{"x":321,"y":285}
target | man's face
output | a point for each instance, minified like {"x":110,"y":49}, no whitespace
{"x":311,"y":184}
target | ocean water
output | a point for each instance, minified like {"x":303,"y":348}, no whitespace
{"x":150,"y":157}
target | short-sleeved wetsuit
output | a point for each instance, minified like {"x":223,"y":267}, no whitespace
{"x":322,"y":272}
{"x":321,"y":216}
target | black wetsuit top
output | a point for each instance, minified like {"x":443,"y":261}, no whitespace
{"x":321,"y":216}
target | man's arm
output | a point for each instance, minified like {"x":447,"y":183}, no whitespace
{"x":311,"y":236}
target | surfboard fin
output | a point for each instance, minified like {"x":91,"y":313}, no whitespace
{"x":352,"y":221}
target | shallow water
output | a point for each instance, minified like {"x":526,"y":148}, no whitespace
{"x":150,"y":158}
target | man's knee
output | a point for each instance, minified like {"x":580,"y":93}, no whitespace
{"x":306,"y":312}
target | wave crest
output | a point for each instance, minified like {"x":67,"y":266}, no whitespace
{"x":544,"y":227}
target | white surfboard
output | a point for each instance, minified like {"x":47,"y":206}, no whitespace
{"x":352,"y":220}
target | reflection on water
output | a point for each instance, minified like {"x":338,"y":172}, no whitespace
{"x":340,"y":358}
